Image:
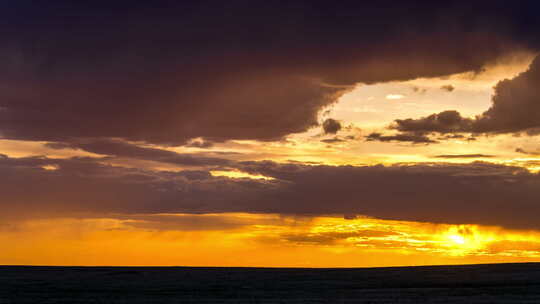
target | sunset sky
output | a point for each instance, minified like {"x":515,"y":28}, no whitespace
{"x":269,"y":133}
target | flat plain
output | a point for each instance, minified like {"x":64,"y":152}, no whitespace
{"x":496,"y":283}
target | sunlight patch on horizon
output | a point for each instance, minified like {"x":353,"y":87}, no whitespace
{"x":260,"y":240}
{"x":239,"y":174}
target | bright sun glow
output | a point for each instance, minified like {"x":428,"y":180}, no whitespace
{"x":458,"y":239}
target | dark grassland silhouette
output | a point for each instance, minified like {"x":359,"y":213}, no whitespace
{"x":498,"y":283}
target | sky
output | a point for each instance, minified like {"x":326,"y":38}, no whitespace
{"x":269,"y":133}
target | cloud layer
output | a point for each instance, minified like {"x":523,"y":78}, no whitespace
{"x":169,"y":72}
{"x":479,"y":193}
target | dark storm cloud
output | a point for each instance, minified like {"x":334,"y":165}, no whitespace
{"x":169,"y":71}
{"x":415,"y":138}
{"x":84,"y":186}
{"x":480,"y":193}
{"x":451,"y":193}
{"x":117,"y":148}
{"x":331,"y":126}
{"x":516,"y":104}
{"x":515,"y":108}
{"x":444,"y":122}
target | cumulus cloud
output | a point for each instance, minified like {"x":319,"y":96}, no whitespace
{"x":416,"y":138}
{"x":169,"y":72}
{"x":331,"y":126}
{"x":443,"y":122}
{"x":516,"y":104}
{"x":515,"y":108}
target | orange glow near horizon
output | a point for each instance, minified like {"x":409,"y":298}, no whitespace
{"x":260,"y":240}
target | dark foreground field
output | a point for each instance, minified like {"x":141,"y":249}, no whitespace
{"x":503,"y":283}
